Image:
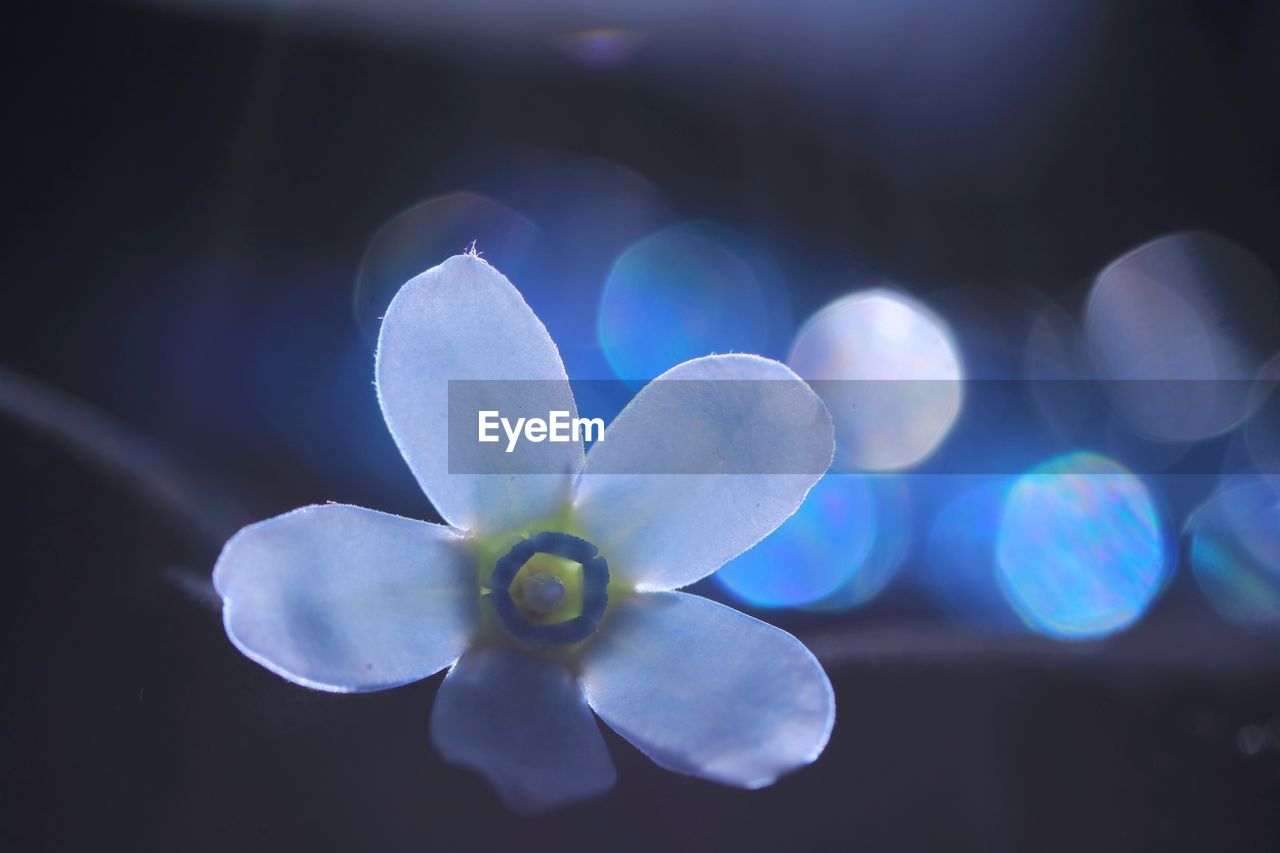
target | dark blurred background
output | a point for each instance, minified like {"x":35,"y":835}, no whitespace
{"x":191,"y":282}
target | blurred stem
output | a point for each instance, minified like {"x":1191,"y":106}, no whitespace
{"x":100,"y":439}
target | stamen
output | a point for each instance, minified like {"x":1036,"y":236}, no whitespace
{"x":543,"y":592}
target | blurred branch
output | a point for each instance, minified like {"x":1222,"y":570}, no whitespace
{"x":1179,"y":642}
{"x":95,"y":434}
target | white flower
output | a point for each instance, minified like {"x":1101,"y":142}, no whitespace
{"x":346,"y":599}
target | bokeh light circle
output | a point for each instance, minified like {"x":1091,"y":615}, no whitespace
{"x":892,"y":541}
{"x":1056,"y":367}
{"x":686,"y":291}
{"x":990,"y":326}
{"x":602,"y":47}
{"x":959,"y":570}
{"x":1235,"y":552}
{"x":1261,"y":433}
{"x":889,"y":372}
{"x":1190,"y":317}
{"x":815,"y":552}
{"x":1080,"y":551}
{"x":426,"y":234}
{"x":588,"y":211}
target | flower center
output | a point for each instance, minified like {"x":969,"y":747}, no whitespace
{"x":543,"y":593}
{"x":550,"y":589}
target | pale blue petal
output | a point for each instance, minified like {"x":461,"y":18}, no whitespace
{"x":521,"y":722}
{"x":749,"y":418}
{"x":464,"y":320}
{"x":347,"y":599}
{"x":705,"y":690}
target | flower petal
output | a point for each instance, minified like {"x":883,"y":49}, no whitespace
{"x":705,"y":690}
{"x":648,"y":496}
{"x":463,"y":320}
{"x":521,"y":722}
{"x":347,"y":599}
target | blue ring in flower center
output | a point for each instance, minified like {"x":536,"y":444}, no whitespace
{"x":595,"y":584}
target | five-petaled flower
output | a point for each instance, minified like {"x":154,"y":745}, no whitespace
{"x":549,"y":595}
